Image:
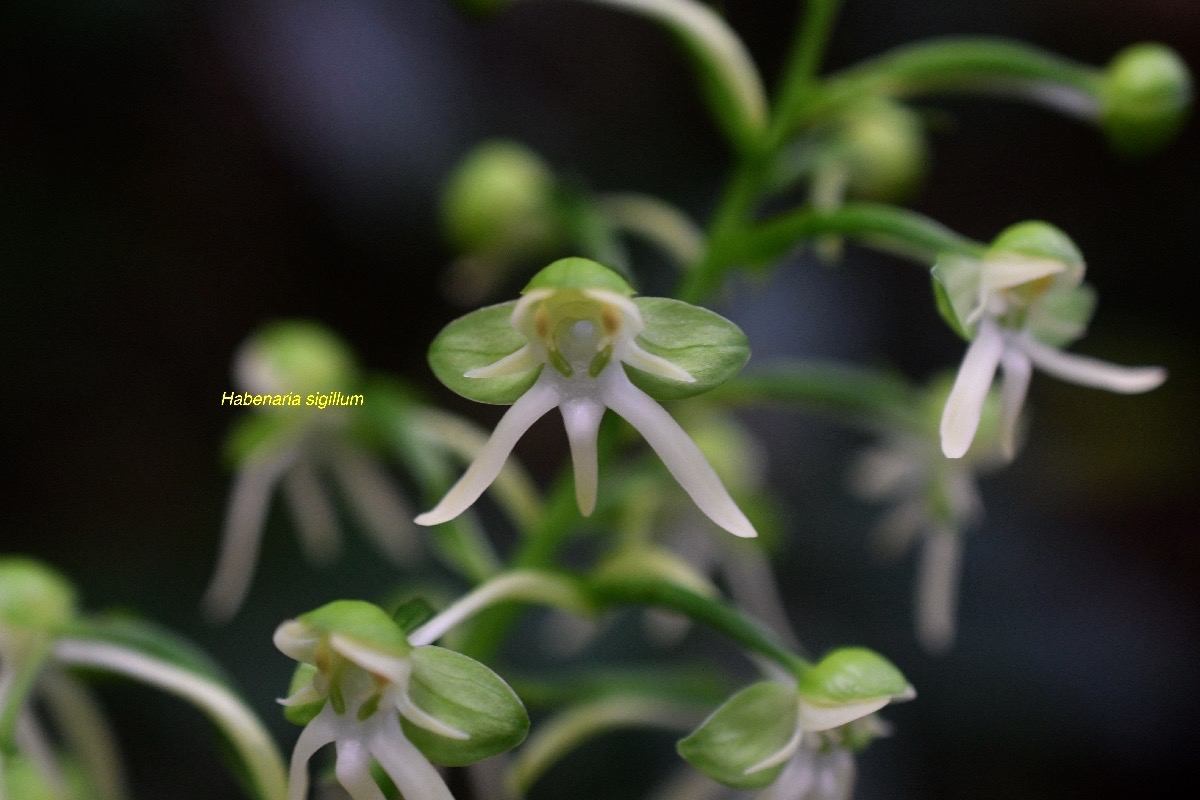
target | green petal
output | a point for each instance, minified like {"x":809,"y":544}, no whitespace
{"x":709,"y":347}
{"x":477,"y":340}
{"x":749,"y":727}
{"x":362,"y":622}
{"x":463,"y":694}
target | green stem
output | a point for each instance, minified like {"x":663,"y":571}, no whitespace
{"x":870,"y":396}
{"x":888,"y":228}
{"x":960,"y":64}
{"x":800,"y":72}
{"x":722,"y":618}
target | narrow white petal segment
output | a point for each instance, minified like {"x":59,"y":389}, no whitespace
{"x":312,"y":512}
{"x":353,"y":770}
{"x":244,"y":520}
{"x":322,"y":730}
{"x":412,"y":773}
{"x":1011,"y":271}
{"x":581,"y":417}
{"x":636,"y":357}
{"x":395,"y":668}
{"x":937,"y":590}
{"x":1013,"y":388}
{"x":815,"y":717}
{"x":384,"y":512}
{"x":1091,"y":371}
{"x":423,"y":719}
{"x":529,"y":408}
{"x":678,"y":452}
{"x":515,"y":363}
{"x":960,"y":418}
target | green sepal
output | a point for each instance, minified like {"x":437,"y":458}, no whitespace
{"x":749,"y":727}
{"x":711,"y":348}
{"x":302,"y":714}
{"x":476,"y":340}
{"x":466,"y":695}
{"x":363,"y":622}
{"x":578,"y":273}
{"x":1062,"y":316}
{"x":852,"y":675}
{"x":952,"y":277}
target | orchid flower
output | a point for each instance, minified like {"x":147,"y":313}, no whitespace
{"x":770,"y":726}
{"x":364,"y":688}
{"x":578,"y":340}
{"x":1019,"y":304}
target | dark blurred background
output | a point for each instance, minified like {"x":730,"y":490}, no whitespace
{"x":173,"y":174}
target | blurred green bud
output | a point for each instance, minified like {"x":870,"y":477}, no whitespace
{"x":885,"y":152}
{"x":34,"y":599}
{"x":1145,"y":96}
{"x":499,"y":204}
{"x":294,"y":356}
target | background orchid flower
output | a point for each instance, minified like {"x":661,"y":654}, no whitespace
{"x":1019,"y":304}
{"x":578,"y":340}
{"x":364,"y":688}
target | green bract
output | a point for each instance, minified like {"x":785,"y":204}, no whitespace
{"x":466,"y":695}
{"x":748,"y":728}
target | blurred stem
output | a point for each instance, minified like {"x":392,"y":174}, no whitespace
{"x":872,"y":397}
{"x":960,"y":65}
{"x":891,"y":229}
{"x":800,"y":73}
{"x":248,"y":736}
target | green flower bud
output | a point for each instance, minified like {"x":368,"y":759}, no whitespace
{"x":885,"y":151}
{"x":499,"y":204}
{"x":34,"y":599}
{"x":294,"y":356}
{"x":1145,"y":96}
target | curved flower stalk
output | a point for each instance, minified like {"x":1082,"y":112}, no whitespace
{"x":362,"y":687}
{"x":1019,"y":304}
{"x":567,"y":343}
{"x":774,"y":726}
